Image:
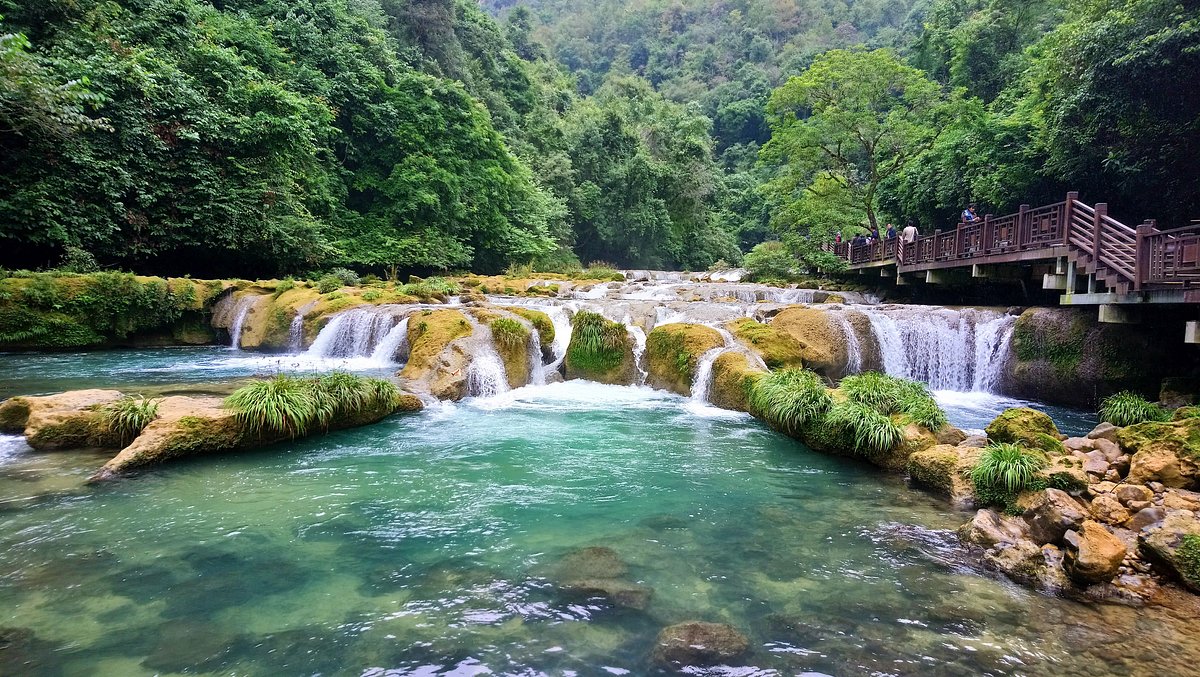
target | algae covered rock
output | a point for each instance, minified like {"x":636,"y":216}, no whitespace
{"x":700,"y":644}
{"x":69,"y":420}
{"x":777,"y":349}
{"x":732,"y":375}
{"x":821,"y":340}
{"x":673,"y":352}
{"x":437,"y":361}
{"x":186,"y":426}
{"x":1027,"y":427}
{"x":1174,"y":543}
{"x":600,"y":350}
{"x":943,"y":469}
{"x":598,"y":571}
{"x":1163,"y":452}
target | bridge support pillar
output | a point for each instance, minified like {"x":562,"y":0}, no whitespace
{"x":1060,"y":266}
{"x":996,"y":272}
{"x":1191,"y":332}
{"x":1091,"y":283}
{"x":1114,"y":314}
{"x":1054,"y":281}
{"x":1071,"y":277}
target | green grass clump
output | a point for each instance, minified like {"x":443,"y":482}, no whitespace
{"x":1005,"y":470}
{"x":1129,"y":408}
{"x":509,"y":333}
{"x":890,"y":395}
{"x":597,"y":344}
{"x":873,"y":432}
{"x":285,"y":285}
{"x":290,"y":406}
{"x":789,"y":399}
{"x":1187,"y":560}
{"x":430,"y":288}
{"x":329,"y":283}
{"x":126,"y":418}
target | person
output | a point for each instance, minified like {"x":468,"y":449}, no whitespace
{"x":969,"y":215}
{"x":891,"y":232}
{"x":858,"y":240}
{"x":874,"y":233}
{"x":910,"y":232}
{"x":837,"y":237}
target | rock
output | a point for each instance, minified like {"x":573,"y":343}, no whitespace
{"x":1026,"y":427}
{"x":950,"y":435}
{"x":619,"y":592}
{"x":731,"y":373}
{"x":673,"y":352}
{"x":1179,"y":499}
{"x":943,"y":469}
{"x":1104,"y":431}
{"x":591,"y":562}
{"x":778,"y":349}
{"x":1028,"y":564}
{"x":609,"y":360}
{"x":1079,"y":444}
{"x":1095,"y":463}
{"x":1135,"y":506}
{"x":821,"y":339}
{"x":1052,"y":514}
{"x":69,"y":420}
{"x":989,"y":528}
{"x":1096,"y":554}
{"x":438,"y":358}
{"x":1067,"y":474}
{"x":1174,"y":544}
{"x":695,"y":643}
{"x":1106,"y":508}
{"x":974,"y":441}
{"x":1127,"y":493}
{"x":1110,"y":449}
{"x":1162,"y":452}
{"x":1101,"y":488}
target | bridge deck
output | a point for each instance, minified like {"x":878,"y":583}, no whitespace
{"x":1125,"y":263}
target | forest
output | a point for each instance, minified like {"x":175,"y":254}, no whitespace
{"x":273,"y":137}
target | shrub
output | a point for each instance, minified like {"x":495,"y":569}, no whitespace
{"x":518,"y":270}
{"x":1129,"y":408}
{"x":1005,"y":470}
{"x":509,"y":333}
{"x":719,"y":265}
{"x":597,"y":344}
{"x":770,"y":260}
{"x":126,"y":418}
{"x":561,"y":260}
{"x":789,"y":399}
{"x":285,"y":285}
{"x":78,"y":260}
{"x":1187,"y":558}
{"x":890,"y":395}
{"x":329,"y":283}
{"x":372,"y":295}
{"x":873,"y":433}
{"x":348,"y":277}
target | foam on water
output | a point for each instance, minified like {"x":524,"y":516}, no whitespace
{"x":12,"y":446}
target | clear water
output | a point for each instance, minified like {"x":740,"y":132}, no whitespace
{"x":973,"y":411}
{"x":430,"y":544}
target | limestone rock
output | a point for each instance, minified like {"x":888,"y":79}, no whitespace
{"x":1079,"y":444}
{"x":696,"y":643}
{"x":1161,"y":464}
{"x":976,"y":441}
{"x":822,"y":343}
{"x":989,"y":528}
{"x":1096,"y":554}
{"x":673,"y":352}
{"x":15,"y":411}
{"x":1163,"y":452}
{"x":730,"y":375}
{"x":1026,"y":563}
{"x":1106,"y":508}
{"x":1104,"y":431}
{"x":943,"y":469}
{"x":950,"y":435}
{"x":1026,"y":427}
{"x":592,"y":562}
{"x":1174,"y":544}
{"x":778,"y":349}
{"x":1180,"y":499}
{"x":438,"y":360}
{"x":69,"y":420}
{"x":1128,"y":493}
{"x":1051,"y":514}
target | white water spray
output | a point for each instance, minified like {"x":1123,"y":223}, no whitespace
{"x":946,"y":348}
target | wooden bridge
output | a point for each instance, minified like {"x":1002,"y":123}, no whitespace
{"x":1079,"y":249}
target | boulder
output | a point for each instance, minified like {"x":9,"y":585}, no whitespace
{"x":1106,"y":508}
{"x":1028,"y":564}
{"x":1051,"y":514}
{"x":1082,"y":444}
{"x":1104,"y":431}
{"x":948,"y":434}
{"x":1094,"y":555}
{"x":1180,"y":499}
{"x":777,"y":349}
{"x":731,"y":374}
{"x":618,"y":592}
{"x":974,"y":441}
{"x":821,"y":340}
{"x":598,"y":571}
{"x":15,"y":411}
{"x":438,"y":359}
{"x":1145,"y":517}
{"x":700,"y":644}
{"x":1128,"y":493}
{"x":1110,"y":449}
{"x":943,"y":469}
{"x":989,"y":528}
{"x":69,"y":420}
{"x":592,"y":562}
{"x":1174,"y":544}
{"x":1162,"y":452}
{"x":609,"y":360}
{"x":1095,"y":463}
{"x":1026,"y":427}
{"x":673,"y":352}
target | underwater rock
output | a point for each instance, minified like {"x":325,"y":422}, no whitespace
{"x":673,"y":352}
{"x":1027,"y":427}
{"x":598,"y":571}
{"x":1094,"y":555}
{"x":592,"y":562}
{"x":619,"y":592}
{"x":23,"y":653}
{"x":696,"y":643}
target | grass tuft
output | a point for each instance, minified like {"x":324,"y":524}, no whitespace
{"x":1005,"y":470}
{"x":789,"y":399}
{"x":890,"y":395}
{"x":873,"y":432}
{"x":597,"y":343}
{"x":290,"y":406}
{"x":509,"y":333}
{"x":1129,"y":408}
{"x":126,"y":418}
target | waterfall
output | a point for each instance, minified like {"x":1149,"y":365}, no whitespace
{"x":704,"y":368}
{"x":562,"y":335}
{"x":393,"y":348}
{"x":358,"y":332}
{"x":639,"y":348}
{"x":296,"y":329}
{"x":244,"y":306}
{"x":948,"y":349}
{"x":537,"y":370}
{"x":486,"y":375}
{"x":853,"y":347}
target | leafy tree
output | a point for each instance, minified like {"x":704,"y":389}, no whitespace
{"x":854,"y":119}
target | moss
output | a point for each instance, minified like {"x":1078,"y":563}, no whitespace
{"x":1187,"y":560}
{"x":777,"y":349}
{"x":673,"y":351}
{"x":733,"y":377}
{"x":1185,"y":413}
{"x":934,"y":468}
{"x":74,"y":430}
{"x":1063,"y":349}
{"x":1181,"y":437}
{"x":196,"y":435}
{"x":1027,"y":427}
{"x":540,"y":321}
{"x":600,"y":349}
{"x":14,"y":413}
{"x":512,"y":343}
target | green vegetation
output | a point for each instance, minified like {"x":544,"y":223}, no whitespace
{"x":770,"y":261}
{"x":1187,"y":560}
{"x":890,"y":395}
{"x":873,"y":433}
{"x":125,"y":419}
{"x":790,"y":399}
{"x":671,"y":347}
{"x":1026,"y":427}
{"x":509,"y":333}
{"x":598,"y":345}
{"x":292,"y":407}
{"x":1004,"y":471}
{"x":1129,"y":408}
{"x":329,"y":284}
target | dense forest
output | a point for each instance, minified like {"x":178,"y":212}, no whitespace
{"x":259,"y":137}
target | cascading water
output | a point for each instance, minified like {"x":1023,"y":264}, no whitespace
{"x":486,"y":375}
{"x":946,"y":348}
{"x":704,"y":368}
{"x":296,"y":329}
{"x":393,"y":348}
{"x":244,"y":306}
{"x":853,"y":347}
{"x":537,"y":370}
{"x":359,"y":332}
{"x":639,"y":348}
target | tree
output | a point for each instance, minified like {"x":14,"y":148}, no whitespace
{"x":856,"y":119}
{"x":33,"y":100}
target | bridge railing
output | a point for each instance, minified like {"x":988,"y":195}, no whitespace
{"x":1170,"y":256}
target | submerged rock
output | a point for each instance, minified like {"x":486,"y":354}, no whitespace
{"x":700,"y":644}
{"x":592,"y":562}
{"x":598,"y":571}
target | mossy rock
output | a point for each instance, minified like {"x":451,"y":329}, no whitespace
{"x":540,"y":321}
{"x":1027,"y":427}
{"x":732,"y":376}
{"x":943,"y":469}
{"x":14,"y":412}
{"x":513,"y":349}
{"x":600,"y":350}
{"x":822,"y":345}
{"x":777,"y":349}
{"x":673,"y":352}
{"x":1185,"y":413}
{"x":1181,"y":437}
{"x":429,"y":334}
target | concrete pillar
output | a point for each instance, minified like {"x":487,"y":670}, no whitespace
{"x":1070,"y":277}
{"x":1091,"y":283}
{"x":1114,"y":314}
{"x":1191,"y":332}
{"x":1052,"y":281}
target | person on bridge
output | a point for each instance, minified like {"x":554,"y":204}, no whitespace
{"x":969,"y":215}
{"x":837,"y":237}
{"x":891,"y":232}
{"x":909,"y":234}
{"x":874,"y":237}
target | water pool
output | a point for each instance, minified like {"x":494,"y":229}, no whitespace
{"x":433,"y":544}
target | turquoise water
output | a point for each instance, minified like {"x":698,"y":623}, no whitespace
{"x":435,"y":544}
